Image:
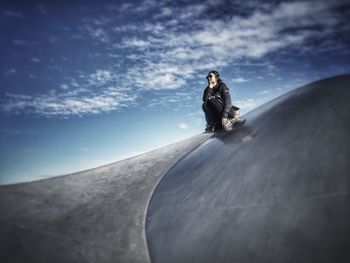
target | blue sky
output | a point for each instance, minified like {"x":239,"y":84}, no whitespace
{"x":85,"y":83}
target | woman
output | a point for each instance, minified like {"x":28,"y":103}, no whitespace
{"x":217,"y":105}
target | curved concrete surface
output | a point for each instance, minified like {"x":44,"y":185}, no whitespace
{"x":276,"y":190}
{"x":91,"y":216}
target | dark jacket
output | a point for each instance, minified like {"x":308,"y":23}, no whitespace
{"x":220,"y":92}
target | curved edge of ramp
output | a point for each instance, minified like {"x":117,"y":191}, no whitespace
{"x":194,"y":143}
{"x":92,"y":216}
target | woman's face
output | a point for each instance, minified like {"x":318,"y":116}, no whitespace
{"x":211,"y":78}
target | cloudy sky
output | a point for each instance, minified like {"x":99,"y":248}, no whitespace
{"x":85,"y":83}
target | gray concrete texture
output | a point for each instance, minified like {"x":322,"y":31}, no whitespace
{"x":92,"y":216}
{"x":276,"y":190}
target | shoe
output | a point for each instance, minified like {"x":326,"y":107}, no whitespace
{"x":209,"y":128}
{"x":217,"y":126}
{"x":237,"y":121}
{"x":241,"y":120}
{"x":228,"y":126}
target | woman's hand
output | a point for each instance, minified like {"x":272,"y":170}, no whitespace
{"x":226,"y":124}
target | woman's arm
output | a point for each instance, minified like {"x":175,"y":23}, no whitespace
{"x":225,"y":95}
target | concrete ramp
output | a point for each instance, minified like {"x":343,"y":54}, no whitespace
{"x":93,"y":216}
{"x":276,"y":190}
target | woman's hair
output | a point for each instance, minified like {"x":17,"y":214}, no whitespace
{"x":216,"y":74}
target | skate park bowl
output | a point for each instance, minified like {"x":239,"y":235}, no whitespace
{"x":275,"y":190}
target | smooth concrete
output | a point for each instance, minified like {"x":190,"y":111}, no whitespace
{"x":92,"y":216}
{"x":276,"y":190}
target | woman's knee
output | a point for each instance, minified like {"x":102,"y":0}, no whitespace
{"x":216,"y":104}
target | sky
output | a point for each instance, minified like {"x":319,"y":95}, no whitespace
{"x":87,"y":83}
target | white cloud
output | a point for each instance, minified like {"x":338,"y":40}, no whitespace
{"x":164,"y":12}
{"x":131,"y":8}
{"x":64,"y":86}
{"x":240,"y":80}
{"x":248,"y":104}
{"x":97,"y":33}
{"x":172,"y":47}
{"x":265,"y":92}
{"x":175,"y":100}
{"x":35,"y":59}
{"x":166,"y":54}
{"x":137,"y":43}
{"x":75,"y":100}
{"x":10,"y":72}
{"x":183,"y":126}
{"x":57,"y":105}
{"x":156,"y":77}
{"x":11,"y":13}
{"x":53,"y":39}
{"x":43,"y":10}
{"x":125,"y":28}
{"x":101,"y":77}
{"x":20,"y":42}
{"x":144,"y":6}
{"x":73,"y":83}
{"x":209,"y":44}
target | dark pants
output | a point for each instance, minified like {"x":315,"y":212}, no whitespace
{"x":213,"y":111}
